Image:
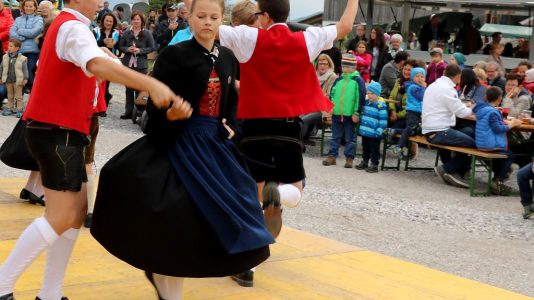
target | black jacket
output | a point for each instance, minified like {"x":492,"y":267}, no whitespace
{"x":163,"y":35}
{"x":426,"y":35}
{"x":186,"y":69}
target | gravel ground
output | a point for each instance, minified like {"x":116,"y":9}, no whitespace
{"x":409,"y":215}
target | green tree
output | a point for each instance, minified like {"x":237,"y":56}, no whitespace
{"x":158,"y":3}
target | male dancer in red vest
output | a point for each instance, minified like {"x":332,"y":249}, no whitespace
{"x":278,"y":84}
{"x":59,"y":115}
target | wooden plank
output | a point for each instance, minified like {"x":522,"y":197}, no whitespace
{"x":471,"y":151}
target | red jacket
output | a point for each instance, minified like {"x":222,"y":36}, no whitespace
{"x":68,"y":102}
{"x":364,"y":65}
{"x":101,"y":99}
{"x":6,"y":21}
{"x":279,"y":81}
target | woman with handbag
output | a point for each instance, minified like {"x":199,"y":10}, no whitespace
{"x":136,"y":43}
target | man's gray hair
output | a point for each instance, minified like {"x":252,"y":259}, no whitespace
{"x":46,"y":3}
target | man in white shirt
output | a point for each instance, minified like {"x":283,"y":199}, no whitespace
{"x":441,"y":107}
{"x":272,"y":129}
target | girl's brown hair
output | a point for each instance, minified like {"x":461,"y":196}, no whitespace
{"x":24,"y":2}
{"x":221,"y":3}
{"x":362,"y":42}
{"x":141,"y":16}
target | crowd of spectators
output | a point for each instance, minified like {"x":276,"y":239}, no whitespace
{"x":448,"y":102}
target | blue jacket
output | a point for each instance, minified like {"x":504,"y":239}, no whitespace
{"x":374,"y":118}
{"x":490,"y":129}
{"x":477,"y":93}
{"x":26,"y":28}
{"x":414,"y":100}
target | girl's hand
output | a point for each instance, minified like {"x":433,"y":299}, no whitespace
{"x":231,"y":133}
{"x":355,"y":119}
{"x":180,"y":110}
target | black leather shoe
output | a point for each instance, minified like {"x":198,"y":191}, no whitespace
{"x":24,"y":194}
{"x":7,"y":297}
{"x":126,"y":116}
{"x":88,"y":220}
{"x":245,"y":279}
{"x":103,"y":114}
{"x":150,"y":277}
{"x":34,"y":199}
{"x":272,"y":210}
{"x":62,"y":298}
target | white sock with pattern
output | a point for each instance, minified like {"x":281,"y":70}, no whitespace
{"x":36,"y":238}
{"x":57,"y":259}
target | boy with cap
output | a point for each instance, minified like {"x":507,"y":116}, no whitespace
{"x":374,"y":119}
{"x":414,"y":105}
{"x":57,"y":139}
{"x":347,"y":94}
{"x":436,"y":67}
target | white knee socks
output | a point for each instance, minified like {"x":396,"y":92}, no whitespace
{"x":91,"y":192}
{"x":169,"y":288}
{"x":36,"y":238}
{"x":290,"y":195}
{"x":57,"y":259}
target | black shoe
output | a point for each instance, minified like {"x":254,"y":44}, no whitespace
{"x":372,"y":169}
{"x":24,"y":194}
{"x":150,"y":277}
{"x":88,"y":220}
{"x":245,"y":279}
{"x":362,"y":165}
{"x":34,"y":199}
{"x":272,"y":211}
{"x":441,"y":173}
{"x":7,"y":297}
{"x":103,"y":114}
{"x":62,"y":298}
{"x":126,"y":116}
{"x":456,"y":180}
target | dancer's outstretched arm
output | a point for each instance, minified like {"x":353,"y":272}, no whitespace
{"x":344,"y":26}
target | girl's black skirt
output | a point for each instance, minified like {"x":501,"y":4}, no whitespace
{"x":187,"y":208}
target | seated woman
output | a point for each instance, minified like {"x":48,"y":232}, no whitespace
{"x":397,"y":111}
{"x":470,"y":87}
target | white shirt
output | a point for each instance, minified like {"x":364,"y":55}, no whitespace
{"x":441,"y":106}
{"x":242,"y":39}
{"x":76,"y":43}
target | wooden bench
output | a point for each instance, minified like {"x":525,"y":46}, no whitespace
{"x":478,"y":159}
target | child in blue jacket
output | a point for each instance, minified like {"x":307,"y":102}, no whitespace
{"x":414,"y":105}
{"x":374,"y":120}
{"x":490,"y":135}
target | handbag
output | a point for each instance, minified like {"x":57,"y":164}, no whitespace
{"x":15,"y":152}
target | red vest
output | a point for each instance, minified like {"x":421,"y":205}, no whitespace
{"x":279,"y":81}
{"x":62,"y":94}
{"x":101,"y":99}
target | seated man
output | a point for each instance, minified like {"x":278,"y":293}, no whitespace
{"x":524,"y":176}
{"x":441,"y":106}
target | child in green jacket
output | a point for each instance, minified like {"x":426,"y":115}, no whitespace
{"x":347,"y":95}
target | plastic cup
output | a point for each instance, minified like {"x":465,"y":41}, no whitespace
{"x":526,"y":116}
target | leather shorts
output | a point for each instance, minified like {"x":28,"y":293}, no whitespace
{"x":60,"y":154}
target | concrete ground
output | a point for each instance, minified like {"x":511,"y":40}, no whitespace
{"x":408,"y":215}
